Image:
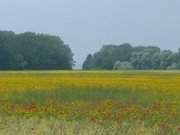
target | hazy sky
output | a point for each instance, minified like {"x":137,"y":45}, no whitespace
{"x":88,"y":24}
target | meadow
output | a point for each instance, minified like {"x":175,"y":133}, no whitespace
{"x":90,"y":102}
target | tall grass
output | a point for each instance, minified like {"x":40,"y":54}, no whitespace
{"x":52,"y":126}
{"x":63,"y":102}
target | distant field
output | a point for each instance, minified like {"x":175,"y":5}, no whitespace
{"x":95,"y":102}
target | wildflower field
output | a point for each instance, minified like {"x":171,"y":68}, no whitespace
{"x":90,"y":102}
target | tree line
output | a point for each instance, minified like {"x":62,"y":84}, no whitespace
{"x":32,"y":51}
{"x":127,"y":57}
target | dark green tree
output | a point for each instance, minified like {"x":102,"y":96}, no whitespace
{"x":34,"y":51}
{"x":88,"y":63}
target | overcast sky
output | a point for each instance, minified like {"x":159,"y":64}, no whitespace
{"x":88,"y":24}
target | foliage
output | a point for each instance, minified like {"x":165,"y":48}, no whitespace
{"x":88,"y":64}
{"x":138,"y":57}
{"x":33,"y":51}
{"x":122,"y":65}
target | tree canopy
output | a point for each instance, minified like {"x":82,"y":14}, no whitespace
{"x":127,"y":57}
{"x":33,"y":51}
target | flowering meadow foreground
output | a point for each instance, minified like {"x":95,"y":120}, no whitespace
{"x":90,"y":103}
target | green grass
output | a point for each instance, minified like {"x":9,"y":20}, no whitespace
{"x":52,"y":126}
{"x":143,"y":97}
